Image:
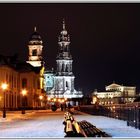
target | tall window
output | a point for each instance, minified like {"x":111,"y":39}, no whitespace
{"x":67,"y":68}
{"x":67,"y":84}
{"x":24,"y":83}
{"x":63,"y":69}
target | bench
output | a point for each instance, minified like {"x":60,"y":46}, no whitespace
{"x":81,"y":128}
{"x":91,"y":130}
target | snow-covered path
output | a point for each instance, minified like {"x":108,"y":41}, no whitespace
{"x":48,"y":124}
{"x":36,"y":125}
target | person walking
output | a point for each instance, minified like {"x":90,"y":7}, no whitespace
{"x":61,"y":106}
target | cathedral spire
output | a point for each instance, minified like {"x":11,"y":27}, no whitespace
{"x":35,"y":29}
{"x":64,"y":24}
{"x":64,"y":41}
{"x":64,"y":31}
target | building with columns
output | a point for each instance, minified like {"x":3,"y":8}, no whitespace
{"x":63,"y":79}
{"x":115,"y":94}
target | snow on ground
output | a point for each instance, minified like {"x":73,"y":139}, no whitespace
{"x":41,"y":124}
{"x":14,"y":115}
{"x":48,"y":124}
{"x":116,"y":128}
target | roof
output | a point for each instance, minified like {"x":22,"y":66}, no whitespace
{"x":26,"y":67}
{"x":35,"y":38}
{"x":13,"y":62}
{"x":114,"y":85}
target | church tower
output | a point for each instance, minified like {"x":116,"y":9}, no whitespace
{"x":35,"y":46}
{"x":64,"y":58}
{"x":64,"y":78}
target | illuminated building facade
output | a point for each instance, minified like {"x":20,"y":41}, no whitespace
{"x":116,"y":94}
{"x":35,"y":49}
{"x":35,"y":46}
{"x":19,"y":76}
{"x":63,"y":79}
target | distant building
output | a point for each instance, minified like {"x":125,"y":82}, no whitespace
{"x":63,"y":79}
{"x":116,"y":94}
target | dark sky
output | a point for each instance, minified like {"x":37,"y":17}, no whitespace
{"x":105,"y":39}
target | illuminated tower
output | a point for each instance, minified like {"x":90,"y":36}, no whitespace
{"x":64,"y":58}
{"x":64,"y":78}
{"x":35,"y":49}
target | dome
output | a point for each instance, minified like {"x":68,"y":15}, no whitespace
{"x":35,"y":38}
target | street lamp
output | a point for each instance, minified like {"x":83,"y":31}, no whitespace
{"x":4,"y":87}
{"x":24,"y":92}
{"x":48,"y":98}
{"x":40,"y":97}
{"x":54,"y":99}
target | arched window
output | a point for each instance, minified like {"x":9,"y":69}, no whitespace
{"x":34,"y":52}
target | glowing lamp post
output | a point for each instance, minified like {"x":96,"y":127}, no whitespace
{"x":24,"y":92}
{"x":40,"y":97}
{"x":54,"y":99}
{"x":4,"y":87}
{"x":49,"y":99}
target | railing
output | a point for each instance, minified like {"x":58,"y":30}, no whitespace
{"x":129,"y":112}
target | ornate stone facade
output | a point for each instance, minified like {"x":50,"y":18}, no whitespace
{"x":63,"y":79}
{"x":116,"y":94}
{"x":35,"y":49}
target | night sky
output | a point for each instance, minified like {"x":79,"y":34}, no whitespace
{"x":105,"y":39}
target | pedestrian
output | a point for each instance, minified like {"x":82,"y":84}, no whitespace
{"x":65,"y":106}
{"x":61,"y":106}
{"x":69,"y":106}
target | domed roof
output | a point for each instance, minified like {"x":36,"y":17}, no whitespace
{"x":35,"y":38}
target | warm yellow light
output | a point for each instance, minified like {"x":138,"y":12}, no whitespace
{"x":49,"y":99}
{"x":54,"y":99}
{"x":94,"y":100}
{"x":59,"y":100}
{"x":4,"y":86}
{"x":40,"y":97}
{"x":65,"y":99}
{"x":24,"y":92}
